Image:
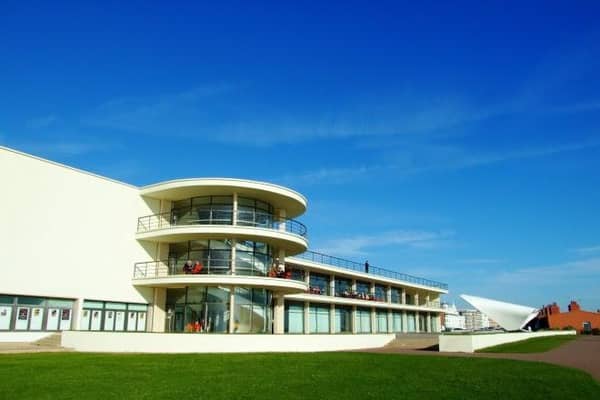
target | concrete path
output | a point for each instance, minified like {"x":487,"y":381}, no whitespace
{"x":17,"y":347}
{"x":582,"y":353}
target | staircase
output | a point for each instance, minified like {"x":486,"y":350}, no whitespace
{"x":414,"y":341}
{"x":52,"y":341}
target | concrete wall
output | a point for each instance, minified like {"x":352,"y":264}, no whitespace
{"x":470,"y":343}
{"x":22,"y":337}
{"x":215,"y":343}
{"x":67,"y":233}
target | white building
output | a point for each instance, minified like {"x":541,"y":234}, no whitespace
{"x":83,"y":252}
{"x":452,"y":319}
{"x":474,"y":320}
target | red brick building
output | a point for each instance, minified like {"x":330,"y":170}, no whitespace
{"x":583,"y":321}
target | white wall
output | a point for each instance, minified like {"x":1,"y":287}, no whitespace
{"x":214,"y":343}
{"x":66,"y":233}
{"x":22,"y":337}
{"x":470,"y":343}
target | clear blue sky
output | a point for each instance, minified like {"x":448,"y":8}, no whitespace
{"x":455,"y":141}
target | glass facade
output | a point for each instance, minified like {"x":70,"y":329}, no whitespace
{"x":200,"y":309}
{"x":318,"y":318}
{"x":203,"y":210}
{"x":380,"y":293}
{"x":111,"y":316}
{"x":23,"y":313}
{"x":319,"y":284}
{"x":396,"y":321}
{"x":362,"y":320}
{"x":294,"y":317}
{"x":253,"y":212}
{"x":411,"y":324}
{"x":396,"y":295}
{"x":343,"y":287}
{"x":363,"y":287}
{"x":215,"y":257}
{"x":382,"y":321}
{"x":252,"y":311}
{"x":343,"y":319}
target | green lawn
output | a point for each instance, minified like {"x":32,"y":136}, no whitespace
{"x":284,"y":376}
{"x":534,"y":345}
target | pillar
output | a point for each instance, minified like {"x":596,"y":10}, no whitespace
{"x":416,"y":299}
{"x":158,"y":311}
{"x":306,"y":317}
{"x":278,"y":315}
{"x":429,"y":323}
{"x":77,"y":310}
{"x":373,"y":320}
{"x":353,"y":322}
{"x":332,"y":318}
{"x":390,"y":321}
{"x":234,"y":217}
{"x":332,"y":285}
{"x":232,"y":324}
{"x":404,"y":321}
{"x":388,"y":294}
{"x":417,"y":322}
{"x":403,"y":296}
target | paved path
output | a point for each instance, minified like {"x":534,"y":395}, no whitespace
{"x":18,"y":347}
{"x":582,"y":353}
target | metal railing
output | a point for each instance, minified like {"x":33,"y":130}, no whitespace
{"x":358,"y":267}
{"x":247,"y":264}
{"x":211,"y":216}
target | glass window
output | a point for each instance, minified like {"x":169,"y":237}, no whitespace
{"x":396,"y":321}
{"x":56,"y":303}
{"x":380,"y":294}
{"x":396,"y":295}
{"x":294,"y":317}
{"x":363,"y":320}
{"x":363,"y":287}
{"x":7,"y":299}
{"x":34,"y":301}
{"x":319,"y":284}
{"x":93,"y":304}
{"x":343,"y":287}
{"x":319,"y":318}
{"x":343,"y":319}
{"x":116,"y":306}
{"x":411,"y":322}
{"x":382,"y":322}
{"x":137,"y":307}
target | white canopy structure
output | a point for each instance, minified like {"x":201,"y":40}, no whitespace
{"x":511,"y":317}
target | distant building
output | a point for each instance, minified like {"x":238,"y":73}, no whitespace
{"x":550,"y":317}
{"x":475,"y":320}
{"x":451,"y":319}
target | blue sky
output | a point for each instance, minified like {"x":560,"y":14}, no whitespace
{"x":459,"y":142}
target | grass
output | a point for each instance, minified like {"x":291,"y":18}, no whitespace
{"x":284,"y":376}
{"x":533,"y":345}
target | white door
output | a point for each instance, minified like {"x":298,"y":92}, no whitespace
{"x":109,"y":320}
{"x":96,"y":316}
{"x":22,"y":321}
{"x":5,"y":315}
{"x":52,"y":322}
{"x":84,"y":324}
{"x":65,"y":319}
{"x":119,"y":320}
{"x":132,"y":321}
{"x":141,"y":321}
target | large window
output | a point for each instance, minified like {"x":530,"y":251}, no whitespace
{"x":252,"y":258}
{"x":362,"y":320}
{"x":343,"y":287}
{"x":22,"y":313}
{"x":111,"y":316}
{"x":380,"y":293}
{"x":253,"y":212}
{"x":364,"y":288}
{"x":294,"y":317}
{"x":382,"y":322}
{"x":396,"y":321}
{"x":203,"y":210}
{"x":319,"y":284}
{"x":198,"y":309}
{"x":319,"y":318}
{"x":343,"y":319}
{"x":396,"y":295}
{"x":252,"y":311}
{"x":411,"y":324}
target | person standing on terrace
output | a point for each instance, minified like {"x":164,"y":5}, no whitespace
{"x":367,"y":267}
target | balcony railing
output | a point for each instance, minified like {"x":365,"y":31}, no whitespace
{"x":358,"y":267}
{"x":247,"y":264}
{"x":194,"y":216}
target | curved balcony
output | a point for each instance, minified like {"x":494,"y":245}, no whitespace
{"x":193,"y":223}
{"x":167,"y":273}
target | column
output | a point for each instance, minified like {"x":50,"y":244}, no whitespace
{"x":282,"y":218}
{"x":388,"y":294}
{"x":77,"y":310}
{"x":278,"y":315}
{"x":429,"y":323}
{"x":232,"y":324}
{"x":332,"y":318}
{"x":353,"y":322}
{"x":403,"y":296}
{"x":306,"y":317}
{"x":416,"y":299}
{"x":158,"y":310}
{"x":390,"y":321}
{"x":427,"y":300}
{"x":332,"y":285}
{"x":417,"y":322}
{"x":373,"y":320}
{"x":233,"y":256}
{"x":234,"y":217}
{"x":404,"y":321}
{"x":353,"y":285}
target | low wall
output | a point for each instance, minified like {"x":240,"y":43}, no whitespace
{"x":470,"y":343}
{"x":214,"y":343}
{"x":22,"y":337}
